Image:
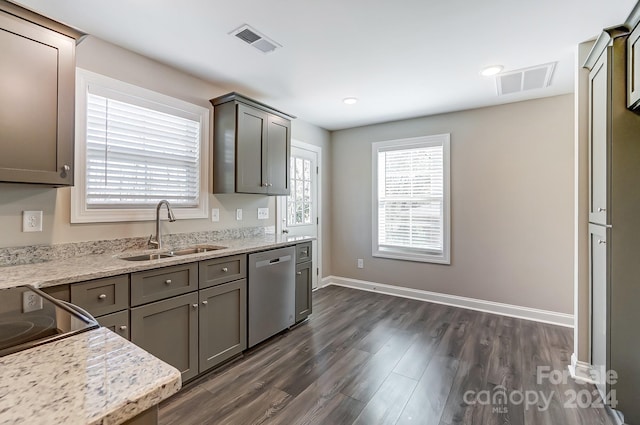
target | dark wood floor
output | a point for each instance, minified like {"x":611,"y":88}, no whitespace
{"x":367,"y":358}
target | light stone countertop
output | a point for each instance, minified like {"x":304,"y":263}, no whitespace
{"x":96,"y":377}
{"x":87,"y":267}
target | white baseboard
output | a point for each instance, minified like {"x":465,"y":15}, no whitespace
{"x":527,"y":313}
{"x":580,"y":370}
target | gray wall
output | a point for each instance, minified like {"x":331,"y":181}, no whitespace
{"x":512,"y":198}
{"x":98,"y":56}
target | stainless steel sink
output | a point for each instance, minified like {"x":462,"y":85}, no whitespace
{"x":185,"y":251}
{"x":147,"y":257}
{"x":197,"y":249}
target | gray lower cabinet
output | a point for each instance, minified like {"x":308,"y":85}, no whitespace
{"x":303,"y":290}
{"x":599,"y":279}
{"x":223,"y":322}
{"x":116,"y":322}
{"x":168,"y":329}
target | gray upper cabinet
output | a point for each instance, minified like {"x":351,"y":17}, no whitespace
{"x":599,"y":138}
{"x":37,"y":85}
{"x":633,"y":69}
{"x":251,"y":147}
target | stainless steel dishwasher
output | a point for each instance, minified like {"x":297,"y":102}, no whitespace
{"x":271,"y":292}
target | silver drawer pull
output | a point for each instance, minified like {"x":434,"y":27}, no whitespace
{"x":194,"y":305}
{"x":205,"y":302}
{"x":298,"y":273}
{"x":602,"y":209}
{"x":602,"y":242}
{"x":168,"y":281}
{"x":123,"y":328}
{"x":102,"y":296}
{"x":224,"y":269}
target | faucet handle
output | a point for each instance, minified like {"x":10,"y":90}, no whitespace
{"x":153,"y":243}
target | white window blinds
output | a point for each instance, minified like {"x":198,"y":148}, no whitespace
{"x":411,"y":199}
{"x":137,"y":156}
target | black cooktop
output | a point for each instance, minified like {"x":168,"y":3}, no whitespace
{"x":29,"y":317}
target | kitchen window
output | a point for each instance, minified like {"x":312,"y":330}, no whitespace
{"x":411,"y":199}
{"x":135,"y":147}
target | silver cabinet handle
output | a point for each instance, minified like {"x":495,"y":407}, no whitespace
{"x":194,"y":305}
{"x":224,"y":269}
{"x":602,"y":209}
{"x":270,"y":184}
{"x":102,"y":296}
{"x":123,"y":328}
{"x":602,"y":242}
{"x":298,"y":273}
{"x":168,"y":281}
{"x":205,"y":302}
{"x":265,"y":184}
{"x":66,"y":168}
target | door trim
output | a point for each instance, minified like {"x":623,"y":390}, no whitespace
{"x":282,"y":200}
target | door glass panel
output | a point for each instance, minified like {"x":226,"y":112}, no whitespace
{"x":299,"y":211}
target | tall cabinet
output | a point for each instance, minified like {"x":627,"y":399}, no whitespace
{"x":614,"y":228}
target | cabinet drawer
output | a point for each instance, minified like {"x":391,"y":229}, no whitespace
{"x":303,"y":252}
{"x":221,"y":270}
{"x":102,"y":296}
{"x":116,"y":322}
{"x":158,"y":284}
{"x":60,"y":292}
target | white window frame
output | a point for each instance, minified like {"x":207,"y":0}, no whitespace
{"x":79,"y":211}
{"x":410,"y":254}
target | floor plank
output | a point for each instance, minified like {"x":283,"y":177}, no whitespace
{"x":369,"y":358}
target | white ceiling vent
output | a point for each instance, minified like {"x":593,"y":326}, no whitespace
{"x":536,"y":77}
{"x":255,"y":38}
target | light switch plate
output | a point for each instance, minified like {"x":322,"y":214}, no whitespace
{"x":263,"y":213}
{"x":360,"y":263}
{"x":215,"y":214}
{"x":239,"y":214}
{"x":32,"y":221}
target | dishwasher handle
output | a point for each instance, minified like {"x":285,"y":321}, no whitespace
{"x":273,"y":261}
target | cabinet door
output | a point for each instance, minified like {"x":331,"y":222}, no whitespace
{"x":599,"y":280}
{"x":168,"y":329}
{"x":250,"y":150}
{"x":599,"y":138}
{"x":102,"y":296}
{"x":36,"y":103}
{"x":223,"y":322}
{"x":276,"y":170}
{"x":633,"y":69}
{"x":116,"y":322}
{"x":303,"y":290}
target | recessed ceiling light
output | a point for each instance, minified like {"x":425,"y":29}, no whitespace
{"x":491,"y":70}
{"x":350,"y":100}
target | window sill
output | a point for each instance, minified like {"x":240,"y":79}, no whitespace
{"x":408,"y":256}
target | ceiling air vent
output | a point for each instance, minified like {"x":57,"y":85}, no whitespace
{"x":255,"y":38}
{"x":536,"y":77}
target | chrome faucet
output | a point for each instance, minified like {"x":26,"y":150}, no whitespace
{"x":157,"y":241}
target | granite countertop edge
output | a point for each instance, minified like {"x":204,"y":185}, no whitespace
{"x":96,"y":266}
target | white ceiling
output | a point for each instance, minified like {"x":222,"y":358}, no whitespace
{"x":402,"y":59}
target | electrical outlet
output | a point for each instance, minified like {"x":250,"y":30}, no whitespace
{"x":360,"y":263}
{"x":263,"y":213}
{"x":239,"y":214}
{"x":32,"y":221}
{"x":215,"y":214}
{"x":31,"y":302}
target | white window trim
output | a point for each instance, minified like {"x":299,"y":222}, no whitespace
{"x":79,"y":211}
{"x":400,"y":254}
